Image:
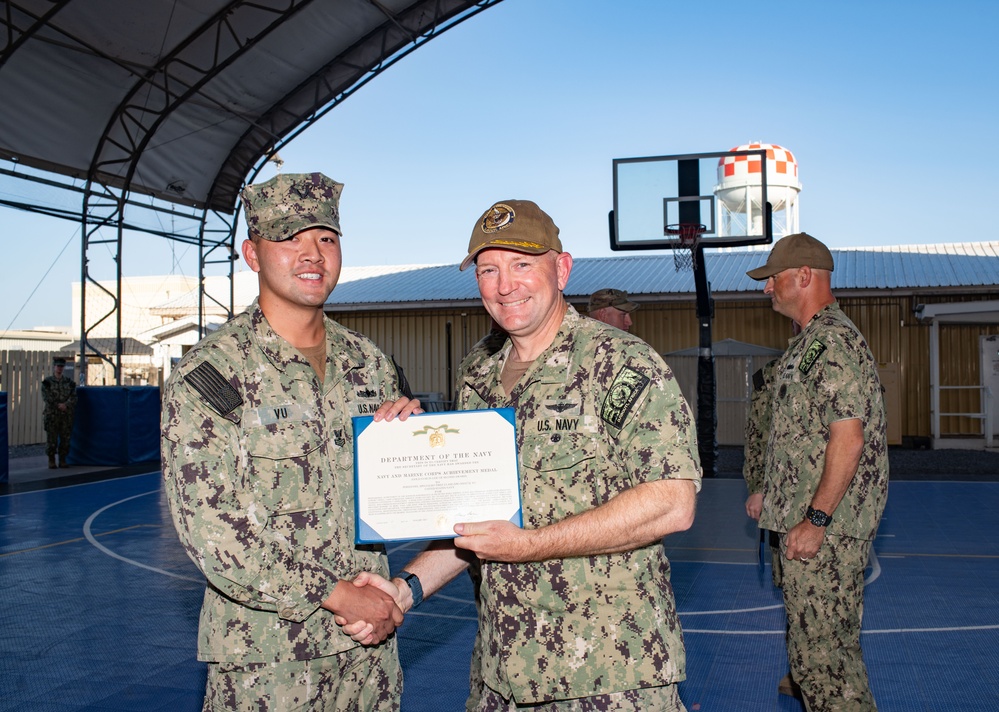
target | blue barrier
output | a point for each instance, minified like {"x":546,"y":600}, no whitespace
{"x":115,"y":425}
{"x":4,"y":443}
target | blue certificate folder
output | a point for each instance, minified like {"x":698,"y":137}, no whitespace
{"x":416,"y":479}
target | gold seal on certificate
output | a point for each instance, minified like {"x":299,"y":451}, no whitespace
{"x":417,"y":479}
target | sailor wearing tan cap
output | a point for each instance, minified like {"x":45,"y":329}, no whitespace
{"x":612,"y":306}
{"x":826,"y":475}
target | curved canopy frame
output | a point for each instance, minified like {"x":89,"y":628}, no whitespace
{"x":134,"y":111}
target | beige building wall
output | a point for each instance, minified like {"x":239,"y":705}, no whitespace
{"x":429,"y":345}
{"x":139,"y":296}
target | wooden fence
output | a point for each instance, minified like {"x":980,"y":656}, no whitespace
{"x":21,"y":374}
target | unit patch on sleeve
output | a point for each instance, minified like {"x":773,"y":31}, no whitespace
{"x":811,"y":355}
{"x":623,"y":393}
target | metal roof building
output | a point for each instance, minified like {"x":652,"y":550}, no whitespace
{"x":959,"y":268}
{"x":934,"y":365}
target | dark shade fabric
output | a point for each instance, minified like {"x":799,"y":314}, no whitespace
{"x":115,"y":425}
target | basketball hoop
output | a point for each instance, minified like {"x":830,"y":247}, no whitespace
{"x":684,"y":238}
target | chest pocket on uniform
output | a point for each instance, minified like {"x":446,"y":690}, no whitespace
{"x":285,"y":472}
{"x":561,"y":478}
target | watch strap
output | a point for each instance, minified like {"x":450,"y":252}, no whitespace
{"x":413,"y":581}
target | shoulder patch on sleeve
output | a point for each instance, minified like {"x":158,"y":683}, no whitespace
{"x":621,"y":396}
{"x":758,"y":380}
{"x":811,"y":355}
{"x":213,"y":387}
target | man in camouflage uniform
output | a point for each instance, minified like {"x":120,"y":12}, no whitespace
{"x":257,"y":464}
{"x":577,"y":610}
{"x":826,"y":478}
{"x":59,"y":395}
{"x":611,"y":306}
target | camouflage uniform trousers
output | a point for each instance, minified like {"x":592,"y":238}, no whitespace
{"x":58,"y":429}
{"x":665,"y":698}
{"x":824,"y":600}
{"x":360,"y":679}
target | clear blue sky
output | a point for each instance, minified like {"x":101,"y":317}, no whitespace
{"x":890,"y":106}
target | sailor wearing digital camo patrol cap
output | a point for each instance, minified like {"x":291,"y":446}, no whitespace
{"x":258,"y":474}
{"x":288,"y":204}
{"x":825,"y":478}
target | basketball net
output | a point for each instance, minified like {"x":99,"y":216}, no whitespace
{"x":684,"y":238}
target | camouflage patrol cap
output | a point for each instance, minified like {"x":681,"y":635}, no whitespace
{"x":287,"y":204}
{"x":797,"y":250}
{"x":617,"y":298}
{"x":517,"y":225}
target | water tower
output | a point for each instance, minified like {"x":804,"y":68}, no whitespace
{"x":739,"y":204}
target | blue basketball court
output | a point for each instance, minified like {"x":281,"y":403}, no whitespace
{"x":100,"y":605}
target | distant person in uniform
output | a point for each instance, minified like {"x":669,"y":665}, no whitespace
{"x":258,"y":470}
{"x":576,"y":609}
{"x":59,"y":396}
{"x":826,"y":476}
{"x":612,"y":306}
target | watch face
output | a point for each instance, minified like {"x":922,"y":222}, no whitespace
{"x":818,"y":518}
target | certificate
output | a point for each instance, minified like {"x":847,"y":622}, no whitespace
{"x":416,"y":479}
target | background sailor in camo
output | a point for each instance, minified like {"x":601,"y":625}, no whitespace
{"x":59,"y":396}
{"x":827,"y":456}
{"x":257,"y":462}
{"x":576,"y":611}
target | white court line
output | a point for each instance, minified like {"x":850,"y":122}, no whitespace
{"x":100,"y":547}
{"x":951,"y":629}
{"x":876,"y":572}
{"x":731,"y":610}
{"x":872,"y":561}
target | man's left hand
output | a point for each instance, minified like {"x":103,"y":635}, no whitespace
{"x":495,"y":540}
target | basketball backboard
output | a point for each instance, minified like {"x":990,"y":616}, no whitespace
{"x":725,"y":191}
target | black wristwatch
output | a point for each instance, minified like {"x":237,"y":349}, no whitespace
{"x":413,"y":581}
{"x":818,"y":517}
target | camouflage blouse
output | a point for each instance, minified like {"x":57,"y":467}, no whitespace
{"x":599,"y":412}
{"x":258,"y":472}
{"x":827,"y":374}
{"x":758,"y":428}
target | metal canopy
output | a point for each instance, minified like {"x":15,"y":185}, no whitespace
{"x":136,"y":110}
{"x":180,"y":99}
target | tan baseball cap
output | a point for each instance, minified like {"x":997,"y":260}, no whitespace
{"x":517,"y":225}
{"x":287,"y":204}
{"x":791,"y":252}
{"x":616,"y":298}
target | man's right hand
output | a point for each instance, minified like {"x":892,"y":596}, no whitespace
{"x":361,"y":631}
{"x":365,"y":604}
